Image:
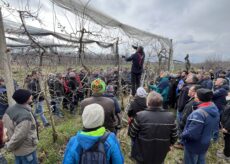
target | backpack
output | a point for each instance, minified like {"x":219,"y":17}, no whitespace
{"x":96,"y":154}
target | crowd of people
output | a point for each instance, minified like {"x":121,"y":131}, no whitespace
{"x":199,"y":98}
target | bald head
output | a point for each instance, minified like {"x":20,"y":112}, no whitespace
{"x":154,"y":99}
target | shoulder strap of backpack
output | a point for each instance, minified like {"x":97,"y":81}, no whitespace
{"x":104,"y":137}
{"x":101,"y":140}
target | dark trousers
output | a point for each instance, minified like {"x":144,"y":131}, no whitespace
{"x":135,"y":80}
{"x":165,"y":105}
{"x":227,"y":145}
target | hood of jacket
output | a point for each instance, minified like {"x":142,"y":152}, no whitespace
{"x":210,"y":108}
{"x":88,"y":139}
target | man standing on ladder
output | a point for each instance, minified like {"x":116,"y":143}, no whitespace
{"x":137,"y":67}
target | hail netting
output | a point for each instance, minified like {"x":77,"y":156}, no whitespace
{"x":14,"y":28}
{"x":106,"y":21}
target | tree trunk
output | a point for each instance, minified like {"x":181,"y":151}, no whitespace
{"x":5,"y":61}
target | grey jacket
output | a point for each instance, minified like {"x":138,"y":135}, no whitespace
{"x":21,"y":130}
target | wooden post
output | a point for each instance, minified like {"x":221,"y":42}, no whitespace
{"x":55,"y":134}
{"x":118,"y":68}
{"x":170,"y":59}
{"x":5,"y":60}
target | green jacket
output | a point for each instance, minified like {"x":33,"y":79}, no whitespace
{"x":162,"y":88}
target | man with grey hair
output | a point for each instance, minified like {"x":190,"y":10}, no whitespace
{"x":220,"y":93}
{"x":152,"y":128}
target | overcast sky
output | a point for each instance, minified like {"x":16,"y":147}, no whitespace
{"x":200,"y":28}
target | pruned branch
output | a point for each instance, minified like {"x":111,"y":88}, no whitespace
{"x":26,"y":13}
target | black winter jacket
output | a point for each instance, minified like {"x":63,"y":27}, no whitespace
{"x":153,"y":132}
{"x":219,"y":97}
{"x":138,"y":61}
{"x":226,"y":119}
{"x":183,"y":97}
{"x":35,"y":88}
{"x":137,"y":105}
{"x":188,"y":109}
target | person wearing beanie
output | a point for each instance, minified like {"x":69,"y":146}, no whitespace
{"x":72,"y":96}
{"x":138,"y":103}
{"x":21,"y":96}
{"x":22,"y":128}
{"x":93,"y":130}
{"x":141,"y":92}
{"x":202,"y":125}
{"x":93,"y":119}
{"x":98,"y":88}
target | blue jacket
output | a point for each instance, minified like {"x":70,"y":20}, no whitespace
{"x":207,"y":84}
{"x":202,"y":125}
{"x":219,"y":97}
{"x":83,"y":141}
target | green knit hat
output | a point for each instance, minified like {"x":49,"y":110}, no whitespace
{"x":98,"y":86}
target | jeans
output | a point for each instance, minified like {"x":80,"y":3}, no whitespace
{"x":27,"y":159}
{"x":190,"y":158}
{"x":40,"y":111}
{"x":136,"y":81}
